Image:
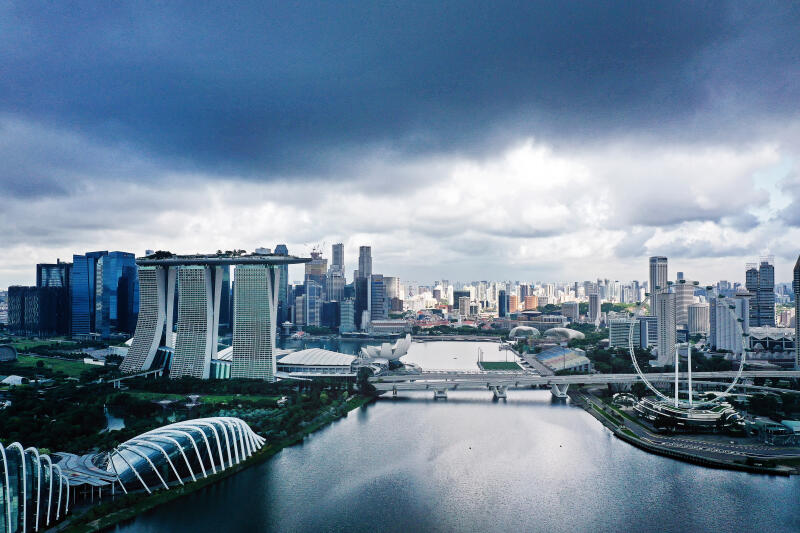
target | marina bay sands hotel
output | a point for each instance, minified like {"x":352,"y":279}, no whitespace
{"x":199,"y":289}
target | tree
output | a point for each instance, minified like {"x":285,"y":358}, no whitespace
{"x":362,"y":380}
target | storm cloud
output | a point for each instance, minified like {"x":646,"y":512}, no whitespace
{"x":529,"y":127}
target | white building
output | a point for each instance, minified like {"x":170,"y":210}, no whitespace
{"x":665,"y":314}
{"x":724,"y":334}
{"x":316,"y":362}
{"x":199,"y":282}
{"x":698,"y":315}
{"x":684,"y":297}
{"x":254,"y":329}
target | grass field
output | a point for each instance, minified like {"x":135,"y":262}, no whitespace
{"x":70,"y":368}
{"x":154,"y":396}
{"x":499,"y":365}
{"x":232,"y":398}
{"x":209,"y":398}
{"x":26,"y":345}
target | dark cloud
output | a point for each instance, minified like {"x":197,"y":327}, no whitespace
{"x":633,"y":243}
{"x":790,"y":186}
{"x":286,"y":89}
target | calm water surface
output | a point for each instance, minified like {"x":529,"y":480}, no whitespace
{"x":473,"y":464}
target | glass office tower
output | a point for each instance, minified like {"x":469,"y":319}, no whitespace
{"x":117,"y":293}
{"x":83,"y":290}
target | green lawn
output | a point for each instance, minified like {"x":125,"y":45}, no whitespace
{"x":156,"y":396}
{"x":232,"y":398}
{"x":26,"y":345}
{"x":212,"y":399}
{"x":70,"y":368}
{"x":499,"y":365}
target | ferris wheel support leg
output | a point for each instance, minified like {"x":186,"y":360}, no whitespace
{"x":689,"y":370}
{"x":677,"y":383}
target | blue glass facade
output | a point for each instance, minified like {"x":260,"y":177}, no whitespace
{"x":283,"y":286}
{"x":117,"y":293}
{"x":82,"y":292}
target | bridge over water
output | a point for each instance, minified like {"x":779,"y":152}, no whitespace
{"x":441,"y":381}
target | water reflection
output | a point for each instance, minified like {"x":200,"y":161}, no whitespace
{"x":468,"y":464}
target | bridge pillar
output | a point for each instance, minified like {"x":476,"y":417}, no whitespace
{"x":559,"y":391}
{"x":394,"y":392}
{"x":440,"y":394}
{"x":499,"y":392}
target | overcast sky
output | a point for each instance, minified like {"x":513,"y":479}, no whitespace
{"x":462,"y":140}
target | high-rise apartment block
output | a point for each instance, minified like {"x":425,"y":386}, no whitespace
{"x":665,"y":314}
{"x":724,"y":317}
{"x":760,"y":282}
{"x":796,"y":289}
{"x":684,"y":297}
{"x":698,"y":316}
{"x":571,"y":310}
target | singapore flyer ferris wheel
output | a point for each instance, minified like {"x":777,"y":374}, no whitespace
{"x":722,"y":302}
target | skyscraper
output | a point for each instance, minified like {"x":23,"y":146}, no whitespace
{"x":313,"y":303}
{"x":199,"y":297}
{"x":335,"y":280}
{"x":316,"y":268}
{"x":254,"y":327}
{"x":117,"y":293}
{"x":83,"y":292}
{"x":594,"y":308}
{"x":723,"y":319}
{"x":364,"y":261}
{"x":362,"y":299}
{"x":347,"y":319}
{"x":760,"y":282}
{"x":658,"y":278}
{"x":378,"y":304}
{"x":56,"y":277}
{"x":502,"y":304}
{"x":335,"y":283}
{"x":684,"y":297}
{"x":283,"y":286}
{"x":698,"y":317}
{"x":665,"y":314}
{"x":194,"y":344}
{"x":337,"y":256}
{"x":796,"y":288}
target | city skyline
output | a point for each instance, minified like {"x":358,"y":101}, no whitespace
{"x":367,"y":266}
{"x":296,"y":272}
{"x":538,"y":158}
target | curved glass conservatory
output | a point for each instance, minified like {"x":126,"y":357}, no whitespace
{"x":35,"y":492}
{"x":188,"y":450}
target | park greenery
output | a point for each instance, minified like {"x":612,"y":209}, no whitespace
{"x":460,"y":330}
{"x":64,"y":409}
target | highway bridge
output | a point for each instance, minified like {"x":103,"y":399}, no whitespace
{"x":499,"y":381}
